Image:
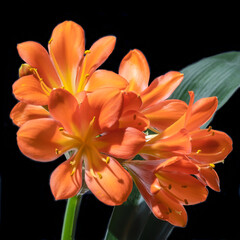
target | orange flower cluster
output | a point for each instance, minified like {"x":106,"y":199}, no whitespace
{"x":103,"y":119}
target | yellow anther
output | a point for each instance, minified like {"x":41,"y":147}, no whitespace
{"x":72,"y":162}
{"x":212,"y":165}
{"x":198,"y":151}
{"x":99,"y":175}
{"x":61,"y":129}
{"x":106,"y":160}
{"x":50,"y":41}
{"x":73,"y":171}
{"x":57,"y":151}
{"x":209,"y":128}
{"x":87,"y":75}
{"x":87,"y":52}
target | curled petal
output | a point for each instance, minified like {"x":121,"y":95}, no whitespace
{"x":38,"y":139}
{"x":135,"y":69}
{"x":63,"y":183}
{"x":109,"y":182}
{"x":210,"y":146}
{"x":23,"y":112}
{"x":161,"y":88}
{"x":28,"y":89}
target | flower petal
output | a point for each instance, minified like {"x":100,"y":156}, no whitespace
{"x":107,"y":104}
{"x":99,"y":52}
{"x":201,"y":112}
{"x":23,"y":112}
{"x":133,"y":119}
{"x":177,"y":144}
{"x":135,"y":69}
{"x":210,"y":177}
{"x":63,"y":183}
{"x":165,"y":113}
{"x":161,"y":88}
{"x":38,"y":139}
{"x":62,"y":106}
{"x":112,"y":183}
{"x":28,"y":89}
{"x":66,"y":48}
{"x":37,"y":57}
{"x":210,"y":146}
{"x":187,"y":189}
{"x":121,"y":143}
{"x":104,"y":78}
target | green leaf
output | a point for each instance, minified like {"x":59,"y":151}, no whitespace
{"x":217,"y":75}
{"x":128,"y":220}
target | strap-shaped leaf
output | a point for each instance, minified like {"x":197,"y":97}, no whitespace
{"x":217,"y":75}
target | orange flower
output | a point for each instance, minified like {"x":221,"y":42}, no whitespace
{"x":161,"y":112}
{"x":204,"y":147}
{"x":66,"y":66}
{"x":167,"y":185}
{"x":90,"y":130}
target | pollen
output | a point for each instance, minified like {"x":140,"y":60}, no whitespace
{"x":87,"y":52}
{"x":106,"y":160}
{"x":198,"y":151}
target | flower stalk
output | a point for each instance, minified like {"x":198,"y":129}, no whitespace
{"x":70,"y":218}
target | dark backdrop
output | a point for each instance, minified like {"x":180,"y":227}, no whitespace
{"x":171,"y":37}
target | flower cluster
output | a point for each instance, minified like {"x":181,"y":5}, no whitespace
{"x":116,"y":127}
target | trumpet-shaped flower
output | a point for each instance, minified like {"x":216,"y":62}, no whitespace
{"x":91,"y":131}
{"x":204,"y":147}
{"x":167,"y":185}
{"x":67,"y":65}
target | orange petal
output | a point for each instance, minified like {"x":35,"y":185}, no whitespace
{"x":121,"y":143}
{"x":63,"y":183}
{"x":107,"y":104}
{"x":210,"y":146}
{"x":178,"y":164}
{"x":177,"y":144}
{"x":37,"y":57}
{"x":23,"y":112}
{"x":209,"y":175}
{"x":38,"y":139}
{"x":161,"y":88}
{"x":28,"y":89}
{"x":184,"y":187}
{"x":135,"y":69}
{"x":133,"y":119}
{"x":111,"y":184}
{"x":62,"y":106}
{"x":201,"y":112}
{"x":104,"y":78}
{"x":66,"y":48}
{"x":165,"y":113}
{"x":99,"y":52}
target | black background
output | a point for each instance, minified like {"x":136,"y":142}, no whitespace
{"x":171,"y":37}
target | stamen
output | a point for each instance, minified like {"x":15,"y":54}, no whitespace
{"x":99,"y":175}
{"x":44,"y":87}
{"x":87,"y":52}
{"x":212,"y":165}
{"x":63,"y":132}
{"x":198,"y":151}
{"x":57,"y":151}
{"x":106,"y":160}
{"x":186,"y":201}
{"x":73,"y":162}
{"x":209,"y":128}
{"x":74,"y":170}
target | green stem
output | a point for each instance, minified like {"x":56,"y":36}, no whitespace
{"x":70,"y":218}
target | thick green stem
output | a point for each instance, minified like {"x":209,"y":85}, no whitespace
{"x":70,"y":218}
